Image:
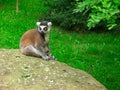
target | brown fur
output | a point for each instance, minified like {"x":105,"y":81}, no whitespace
{"x":32,"y":37}
{"x":35,"y":42}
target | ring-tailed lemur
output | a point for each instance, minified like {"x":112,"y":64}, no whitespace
{"x":35,"y":42}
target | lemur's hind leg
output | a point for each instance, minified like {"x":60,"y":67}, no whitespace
{"x":47,"y":51}
{"x":30,"y":50}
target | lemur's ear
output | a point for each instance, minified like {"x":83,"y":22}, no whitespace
{"x":38,"y":23}
{"x":49,"y":23}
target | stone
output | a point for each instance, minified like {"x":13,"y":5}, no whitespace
{"x":20,"y":72}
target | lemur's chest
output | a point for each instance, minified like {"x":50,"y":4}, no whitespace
{"x":46,"y":39}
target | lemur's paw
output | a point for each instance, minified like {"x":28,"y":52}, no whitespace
{"x":53,"y":58}
{"x":46,"y":58}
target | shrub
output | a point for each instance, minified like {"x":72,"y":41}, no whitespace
{"x":81,"y":15}
{"x":105,"y":11}
{"x":61,"y":14}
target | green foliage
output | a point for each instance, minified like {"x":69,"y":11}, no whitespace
{"x":61,"y":14}
{"x":107,"y":11}
{"x":89,"y":13}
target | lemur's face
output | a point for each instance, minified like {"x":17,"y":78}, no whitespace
{"x":44,"y":26}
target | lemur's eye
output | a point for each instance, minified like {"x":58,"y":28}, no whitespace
{"x":45,"y":28}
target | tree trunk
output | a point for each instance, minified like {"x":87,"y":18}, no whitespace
{"x":17,"y":6}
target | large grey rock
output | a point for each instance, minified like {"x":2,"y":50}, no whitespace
{"x":20,"y":72}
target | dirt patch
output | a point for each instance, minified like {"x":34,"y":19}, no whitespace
{"x":20,"y":72}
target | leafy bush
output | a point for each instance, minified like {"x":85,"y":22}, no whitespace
{"x":107,"y":11}
{"x":61,"y":14}
{"x":84,"y":14}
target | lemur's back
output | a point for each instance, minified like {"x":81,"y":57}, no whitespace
{"x":31,"y":37}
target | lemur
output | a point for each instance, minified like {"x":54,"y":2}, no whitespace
{"x":35,"y":42}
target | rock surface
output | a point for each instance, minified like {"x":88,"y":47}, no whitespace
{"x":20,"y":72}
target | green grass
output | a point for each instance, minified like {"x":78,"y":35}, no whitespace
{"x":97,"y":54}
{"x":13,"y":25}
